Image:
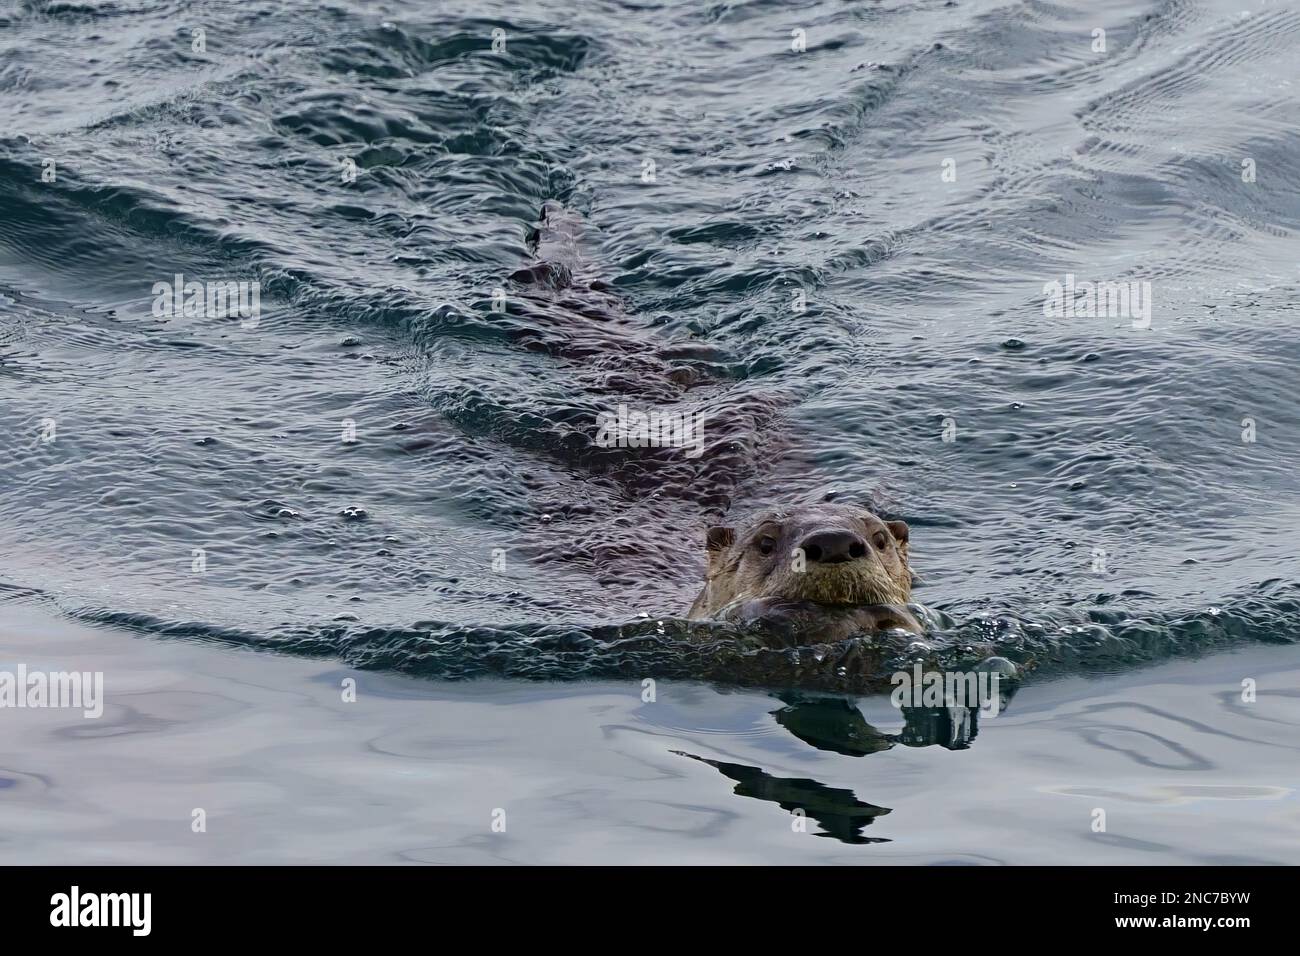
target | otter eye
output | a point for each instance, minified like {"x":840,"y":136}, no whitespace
{"x":766,"y":545}
{"x":879,"y":541}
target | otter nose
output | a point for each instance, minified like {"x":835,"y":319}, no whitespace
{"x":832,"y":547}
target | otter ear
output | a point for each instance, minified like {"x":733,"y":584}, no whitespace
{"x":899,"y":530}
{"x":720,"y":538}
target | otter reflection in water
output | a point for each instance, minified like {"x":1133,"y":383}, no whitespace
{"x":840,"y":813}
{"x":836,"y":725}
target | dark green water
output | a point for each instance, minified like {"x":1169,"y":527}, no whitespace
{"x":1099,"y":505}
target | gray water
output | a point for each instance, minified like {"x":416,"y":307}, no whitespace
{"x":418,"y":770}
{"x":1116,"y":491}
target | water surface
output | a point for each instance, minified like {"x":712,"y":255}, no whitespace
{"x":415,"y":770}
{"x":1112,"y":495}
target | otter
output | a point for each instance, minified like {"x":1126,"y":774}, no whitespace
{"x":637,"y":499}
{"x":830,"y":570}
{"x":833,"y":568}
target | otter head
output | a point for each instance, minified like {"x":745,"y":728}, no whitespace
{"x":827,"y":554}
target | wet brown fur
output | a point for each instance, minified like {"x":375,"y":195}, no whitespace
{"x":740,"y":575}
